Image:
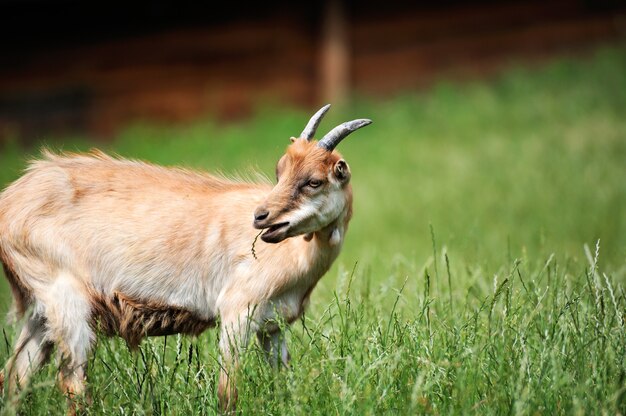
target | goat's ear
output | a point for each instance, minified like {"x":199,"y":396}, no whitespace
{"x":342,"y":171}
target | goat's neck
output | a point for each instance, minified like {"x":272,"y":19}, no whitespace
{"x":330,"y":238}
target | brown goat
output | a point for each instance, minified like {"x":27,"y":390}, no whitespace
{"x":90,"y":242}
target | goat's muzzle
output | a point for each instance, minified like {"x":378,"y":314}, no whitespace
{"x":275,"y":231}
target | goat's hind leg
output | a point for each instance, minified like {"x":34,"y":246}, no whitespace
{"x":68,"y":313}
{"x":32,"y":349}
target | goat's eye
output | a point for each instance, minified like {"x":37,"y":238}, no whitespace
{"x":314,"y":183}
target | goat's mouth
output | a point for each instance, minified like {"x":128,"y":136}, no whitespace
{"x":275,"y":233}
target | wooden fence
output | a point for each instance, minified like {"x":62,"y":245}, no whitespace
{"x":298,"y":55}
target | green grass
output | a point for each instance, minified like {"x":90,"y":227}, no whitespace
{"x":470,"y":281}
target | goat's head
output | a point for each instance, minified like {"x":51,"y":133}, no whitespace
{"x":313,"y":184}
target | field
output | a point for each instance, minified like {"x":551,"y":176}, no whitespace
{"x":483,"y":272}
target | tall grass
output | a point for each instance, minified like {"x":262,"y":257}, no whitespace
{"x":483,"y":272}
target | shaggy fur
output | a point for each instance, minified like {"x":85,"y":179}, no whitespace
{"x":93,"y":242}
{"x":133,"y":320}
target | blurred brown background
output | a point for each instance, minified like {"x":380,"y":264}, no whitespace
{"x":69,"y":66}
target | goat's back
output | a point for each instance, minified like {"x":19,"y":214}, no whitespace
{"x":128,"y":226}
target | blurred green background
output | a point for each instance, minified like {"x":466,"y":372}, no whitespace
{"x":529,"y":162}
{"x":485,"y":265}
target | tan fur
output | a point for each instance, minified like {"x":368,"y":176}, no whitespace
{"x":134,"y":249}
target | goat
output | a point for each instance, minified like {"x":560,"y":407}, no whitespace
{"x":92,"y":243}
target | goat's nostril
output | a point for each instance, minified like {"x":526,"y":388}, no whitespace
{"x":260,"y":216}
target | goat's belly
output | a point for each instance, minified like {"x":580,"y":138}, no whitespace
{"x":134,"y":319}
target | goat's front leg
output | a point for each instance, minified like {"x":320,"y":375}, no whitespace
{"x":234,"y":336}
{"x":275,"y":347}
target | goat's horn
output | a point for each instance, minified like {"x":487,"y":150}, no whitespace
{"x":336,"y":135}
{"x":309,"y":130}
